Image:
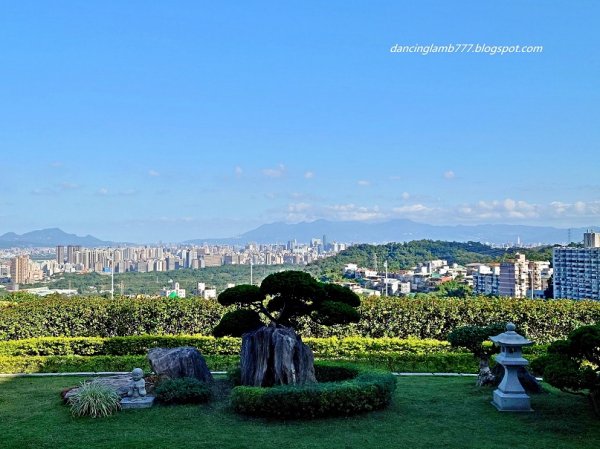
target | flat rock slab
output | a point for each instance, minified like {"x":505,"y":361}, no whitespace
{"x":119,"y":383}
{"x":142,"y":402}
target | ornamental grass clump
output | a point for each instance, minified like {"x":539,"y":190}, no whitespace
{"x":94,"y":399}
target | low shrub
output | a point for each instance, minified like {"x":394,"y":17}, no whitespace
{"x":185,"y":390}
{"x":94,"y":399}
{"x":369,"y":390}
{"x":335,"y":372}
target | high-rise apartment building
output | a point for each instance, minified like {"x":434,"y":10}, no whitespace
{"x":71,"y":251}
{"x":514,"y":276}
{"x":577,"y":270}
{"x":60,"y":254}
{"x":19,"y":270}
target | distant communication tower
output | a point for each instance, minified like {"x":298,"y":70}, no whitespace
{"x":569,"y":237}
{"x":375,"y":261}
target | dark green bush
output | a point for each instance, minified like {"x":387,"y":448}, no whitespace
{"x":369,"y":390}
{"x":184,"y":390}
{"x":335,"y":372}
{"x":574,"y":364}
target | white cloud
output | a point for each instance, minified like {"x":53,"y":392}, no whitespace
{"x":238,"y":171}
{"x":276,"y":172}
{"x":405,"y":195}
{"x":352,"y":212}
{"x":56,"y":164}
{"x":309,"y":175}
{"x":412,"y":208}
{"x":102,"y":191}
{"x":449,"y":174}
{"x":153,"y":173}
{"x":507,"y":210}
{"x":575,"y":209}
{"x":364,"y":183}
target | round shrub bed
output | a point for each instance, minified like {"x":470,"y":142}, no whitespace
{"x":343,"y":390}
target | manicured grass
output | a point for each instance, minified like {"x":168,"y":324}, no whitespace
{"x":428,"y":412}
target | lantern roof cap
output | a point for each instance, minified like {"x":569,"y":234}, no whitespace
{"x":510,"y":337}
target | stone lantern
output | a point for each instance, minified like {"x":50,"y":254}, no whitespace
{"x":510,"y":395}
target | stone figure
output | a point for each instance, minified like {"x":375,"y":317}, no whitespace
{"x":137,"y":386}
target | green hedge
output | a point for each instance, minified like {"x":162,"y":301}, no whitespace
{"x":75,"y":363}
{"x":350,"y":347}
{"x":423,"y":318}
{"x":369,"y":390}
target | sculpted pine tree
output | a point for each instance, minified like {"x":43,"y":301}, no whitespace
{"x":474,"y":338}
{"x":273,"y":353}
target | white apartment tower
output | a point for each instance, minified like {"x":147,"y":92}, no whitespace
{"x":577,"y":270}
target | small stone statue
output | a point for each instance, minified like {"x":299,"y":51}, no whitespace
{"x":137,"y":386}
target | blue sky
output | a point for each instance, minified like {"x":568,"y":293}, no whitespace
{"x":144,"y":121}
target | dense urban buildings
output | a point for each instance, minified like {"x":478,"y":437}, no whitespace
{"x":577,"y":270}
{"x":21,"y":269}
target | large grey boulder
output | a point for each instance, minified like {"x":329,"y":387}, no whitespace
{"x":275,"y":355}
{"x":184,"y":361}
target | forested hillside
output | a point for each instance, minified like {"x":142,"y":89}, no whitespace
{"x":401,"y":256}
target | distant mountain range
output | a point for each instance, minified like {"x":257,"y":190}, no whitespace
{"x":340,"y":231}
{"x":48,"y":238}
{"x":400,"y":231}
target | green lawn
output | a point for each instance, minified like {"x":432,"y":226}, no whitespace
{"x":427,"y":412}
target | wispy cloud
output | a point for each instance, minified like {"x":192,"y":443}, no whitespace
{"x":449,"y":174}
{"x":103,"y":191}
{"x":309,"y":175}
{"x":68,"y":186}
{"x":276,"y":172}
{"x":128,"y":192}
{"x":363,"y":183}
{"x":303,"y":211}
{"x":238,"y":171}
{"x":153,"y":173}
{"x":56,"y":164}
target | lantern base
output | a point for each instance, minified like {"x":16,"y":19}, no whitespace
{"x":511,"y":402}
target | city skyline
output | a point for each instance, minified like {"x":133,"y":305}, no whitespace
{"x":143,"y":122}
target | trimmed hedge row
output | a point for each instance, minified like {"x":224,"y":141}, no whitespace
{"x":541,"y":321}
{"x":368,"y":390}
{"x":416,"y":363}
{"x":99,"y":363}
{"x":350,"y":347}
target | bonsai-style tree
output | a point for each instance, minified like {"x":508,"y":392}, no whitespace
{"x":475,"y":339}
{"x":573,"y":365}
{"x":272,"y":352}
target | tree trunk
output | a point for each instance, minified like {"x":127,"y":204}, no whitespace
{"x":485,"y":377}
{"x":275,"y":355}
